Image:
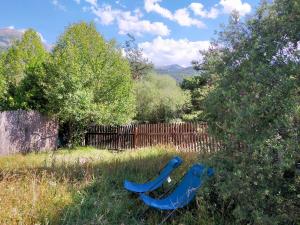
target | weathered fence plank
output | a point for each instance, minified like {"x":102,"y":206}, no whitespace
{"x":184,"y":136}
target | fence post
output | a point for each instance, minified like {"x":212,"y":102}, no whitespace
{"x":134,"y":136}
{"x":118,"y":135}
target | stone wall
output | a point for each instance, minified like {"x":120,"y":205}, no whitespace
{"x":26,"y":131}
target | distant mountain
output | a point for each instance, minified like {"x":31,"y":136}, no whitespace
{"x":8,"y":36}
{"x":176,"y":71}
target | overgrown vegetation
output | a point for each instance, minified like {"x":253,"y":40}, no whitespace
{"x":84,"y":79}
{"x":85,"y":186}
{"x":25,"y":57}
{"x":199,"y":87}
{"x":160,"y":99}
{"x":254,"y":103}
{"x":89,"y":81}
{"x":248,"y":90}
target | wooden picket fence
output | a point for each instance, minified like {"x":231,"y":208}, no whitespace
{"x":183,"y":136}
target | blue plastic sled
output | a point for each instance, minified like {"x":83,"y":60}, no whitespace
{"x":157,"y":182}
{"x":184,"y":192}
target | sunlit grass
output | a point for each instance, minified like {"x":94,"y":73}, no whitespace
{"x":85,"y":186}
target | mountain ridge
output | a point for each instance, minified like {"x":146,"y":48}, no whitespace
{"x":176,"y":71}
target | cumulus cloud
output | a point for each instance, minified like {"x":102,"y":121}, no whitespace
{"x":237,"y":5}
{"x":58,"y":5}
{"x":129,"y":22}
{"x":169,"y":51}
{"x":153,"y":6}
{"x":181,"y":16}
{"x":199,"y":10}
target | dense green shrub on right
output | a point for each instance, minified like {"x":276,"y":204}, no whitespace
{"x":254,"y":103}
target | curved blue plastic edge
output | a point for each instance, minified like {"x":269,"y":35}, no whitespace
{"x":158,"y":181}
{"x":184,"y":192}
{"x":210,"y":172}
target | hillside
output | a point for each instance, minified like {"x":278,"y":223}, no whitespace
{"x":176,"y":71}
{"x":8,"y":36}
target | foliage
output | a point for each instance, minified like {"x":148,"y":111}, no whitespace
{"x":139,"y":65}
{"x":20,"y":60}
{"x":3,"y":84}
{"x":89,"y":81}
{"x":85,"y":186}
{"x":254,"y":103}
{"x":159,"y":99}
{"x":199,"y":86}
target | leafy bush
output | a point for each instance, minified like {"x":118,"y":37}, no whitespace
{"x":254,"y":104}
{"x":88,"y":81}
{"x":199,"y":87}
{"x":159,"y":99}
{"x":20,"y":67}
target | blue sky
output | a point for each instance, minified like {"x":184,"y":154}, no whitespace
{"x":169,"y":31}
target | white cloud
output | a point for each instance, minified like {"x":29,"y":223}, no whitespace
{"x":142,"y":26}
{"x":181,"y":16}
{"x":105,"y":14}
{"x":153,"y":6}
{"x":169,"y":51}
{"x":129,"y":22}
{"x":77,"y":1}
{"x":199,"y":10}
{"x":58,"y":5}
{"x":92,"y":2}
{"x":237,"y":5}
{"x":42,"y":38}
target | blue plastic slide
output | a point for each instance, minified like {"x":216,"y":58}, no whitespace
{"x":183,"y":193}
{"x":157,"y":182}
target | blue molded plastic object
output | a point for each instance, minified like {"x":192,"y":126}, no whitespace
{"x":157,"y":182}
{"x":184,"y":192}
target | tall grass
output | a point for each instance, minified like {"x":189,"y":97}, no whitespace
{"x":84,"y":186}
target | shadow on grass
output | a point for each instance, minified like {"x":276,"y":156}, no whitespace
{"x":98,"y":196}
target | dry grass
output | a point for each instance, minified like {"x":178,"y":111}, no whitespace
{"x":83,"y":186}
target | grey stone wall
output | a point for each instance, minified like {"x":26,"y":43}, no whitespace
{"x":24,"y":131}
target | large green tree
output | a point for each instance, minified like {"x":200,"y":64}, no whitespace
{"x":159,"y":99}
{"x":15,"y":66}
{"x":254,"y":103}
{"x":88,"y":80}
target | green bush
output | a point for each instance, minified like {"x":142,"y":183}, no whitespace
{"x":254,"y":105}
{"x":159,"y":99}
{"x":88,"y":81}
{"x":21,"y":74}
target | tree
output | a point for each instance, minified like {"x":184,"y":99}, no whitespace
{"x":159,"y":99}
{"x":139,"y":65}
{"x":2,"y":84}
{"x":199,"y":87}
{"x":88,"y":80}
{"x":24,"y":55}
{"x":253,"y":103}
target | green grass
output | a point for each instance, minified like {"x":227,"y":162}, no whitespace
{"x":84,"y":186}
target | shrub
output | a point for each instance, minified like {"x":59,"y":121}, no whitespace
{"x":254,"y":104}
{"x":159,"y":99}
{"x":88,"y":80}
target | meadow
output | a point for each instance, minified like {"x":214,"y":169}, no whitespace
{"x":85,"y":186}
